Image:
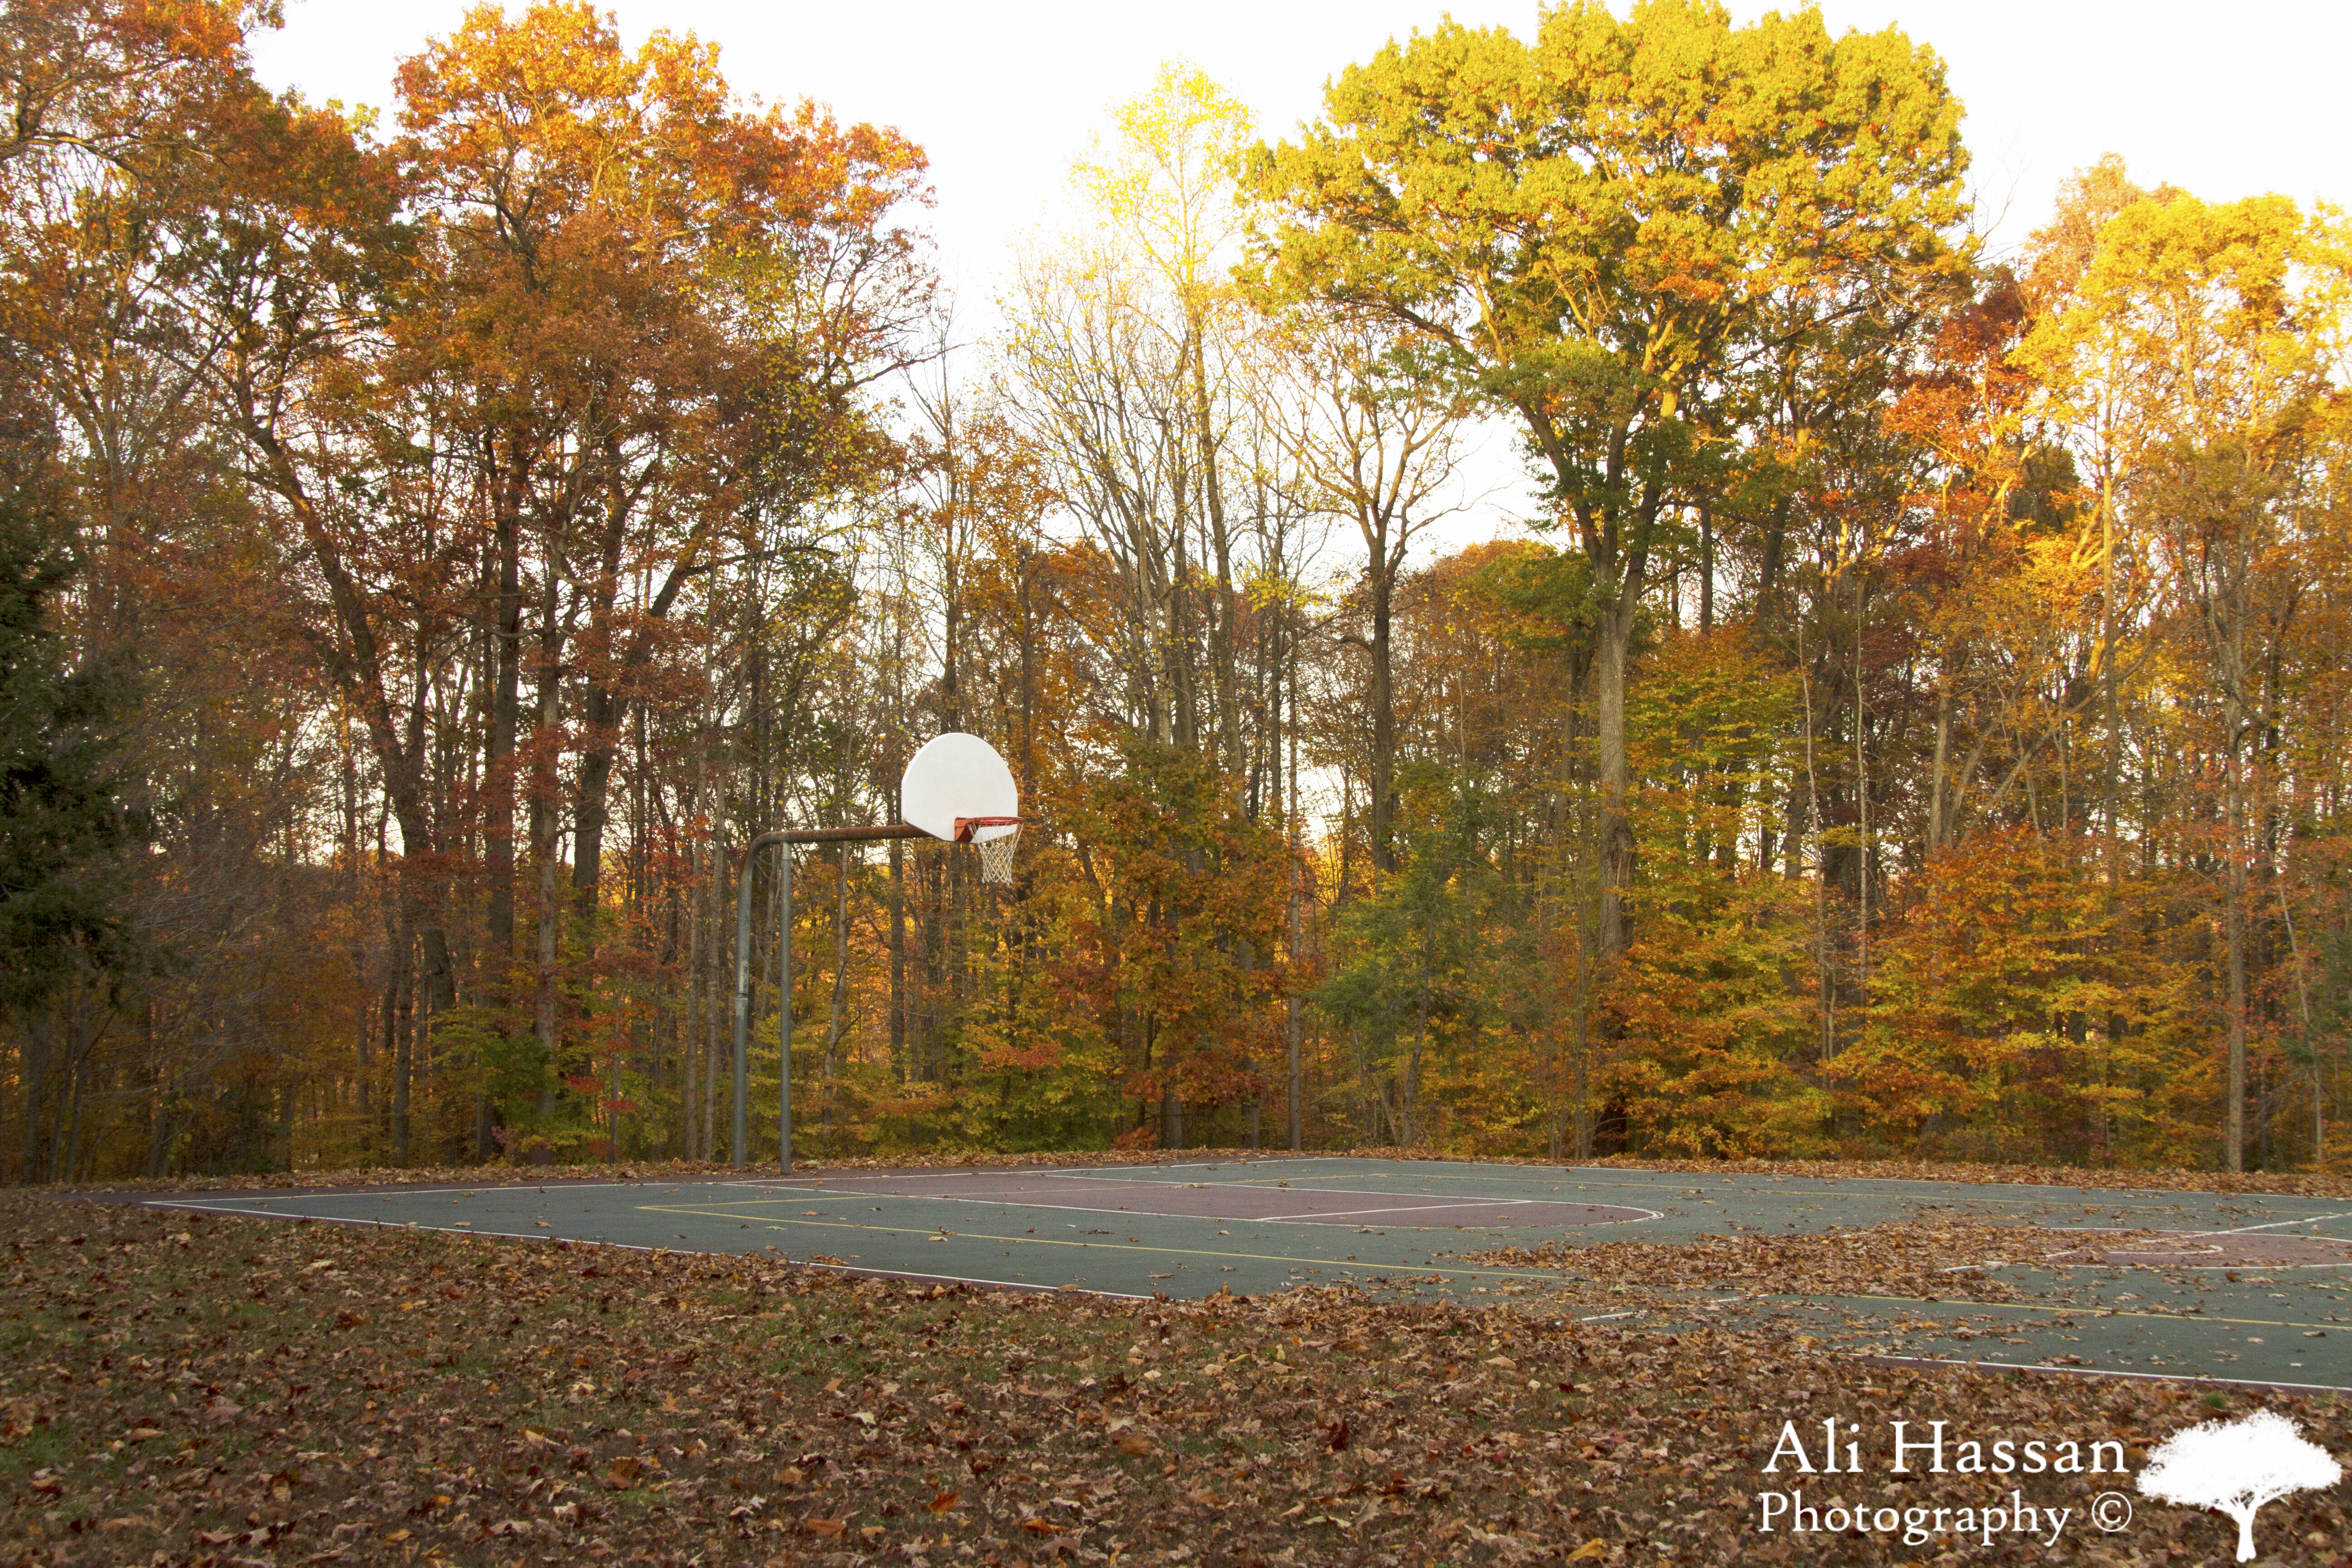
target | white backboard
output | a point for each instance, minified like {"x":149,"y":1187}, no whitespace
{"x":954,"y":775}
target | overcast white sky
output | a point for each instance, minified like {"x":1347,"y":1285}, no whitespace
{"x":2226,"y":101}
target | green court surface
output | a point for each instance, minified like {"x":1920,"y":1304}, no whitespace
{"x":2247,"y":1287}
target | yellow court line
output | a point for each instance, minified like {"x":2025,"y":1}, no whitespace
{"x":1398,"y":1268}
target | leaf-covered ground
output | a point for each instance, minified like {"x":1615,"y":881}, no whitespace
{"x":1943,"y":1260}
{"x":178,"y":1388}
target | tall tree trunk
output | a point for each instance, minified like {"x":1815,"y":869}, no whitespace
{"x":1383,"y":782}
{"x":600,"y":729}
{"x":2233,"y":921}
{"x":717,"y":967}
{"x":898,"y":960}
{"x":1616,"y":826}
{"x":1297,"y":1084}
{"x":546,"y":1025}
{"x":1940,"y":773}
{"x":839,"y":1010}
{"x":1706,"y":567}
{"x":690,"y":1036}
{"x":1411,"y":1096}
{"x":399,"y":1022}
{"x":498,"y":747}
{"x":2111,"y":767}
{"x":1221,"y":657}
{"x":33,"y":1053}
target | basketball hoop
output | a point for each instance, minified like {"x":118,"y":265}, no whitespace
{"x":996,"y":849}
{"x":959,"y":789}
{"x":955,"y":788}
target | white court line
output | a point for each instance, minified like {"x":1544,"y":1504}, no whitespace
{"x":1064,"y":1208}
{"x":633,"y":1247}
{"x":559,"y":1185}
{"x":1376,"y":1193}
{"x":1060,"y":1173}
{"x":1217,"y":1218}
{"x":2275,"y":1225}
{"x":2249,"y":1267}
{"x":484,"y":1190}
{"x":2271,"y":1267}
{"x":1194,"y":1164}
{"x":848,"y":1181}
{"x":1633,"y":1215}
{"x":1414,"y":1208}
{"x":853,"y":1269}
{"x":408,"y":1225}
{"x":1240,"y":1188}
{"x":1025,"y":1204}
{"x":2096,"y":1372}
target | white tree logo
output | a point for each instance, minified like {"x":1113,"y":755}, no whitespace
{"x":2237,"y":1469}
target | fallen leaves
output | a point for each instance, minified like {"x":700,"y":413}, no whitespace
{"x":785,"y":1413}
{"x":1928,"y":1260}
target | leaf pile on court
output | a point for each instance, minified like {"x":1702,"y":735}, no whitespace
{"x":1922,"y":1260}
{"x":218,"y":1390}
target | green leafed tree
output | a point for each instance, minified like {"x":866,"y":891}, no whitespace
{"x":61,"y":819}
{"x":1596,"y":227}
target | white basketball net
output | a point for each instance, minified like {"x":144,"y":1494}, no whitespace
{"x":996,"y":857}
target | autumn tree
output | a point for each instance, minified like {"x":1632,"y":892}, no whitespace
{"x":2215,"y":326}
{"x":1588,"y":229}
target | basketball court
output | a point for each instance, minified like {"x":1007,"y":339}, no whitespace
{"x":2238,"y":1288}
{"x":2244,"y":1288}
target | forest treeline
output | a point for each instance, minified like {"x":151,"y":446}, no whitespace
{"x":1910,"y":722}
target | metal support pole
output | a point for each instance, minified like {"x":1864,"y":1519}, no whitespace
{"x":743,"y":994}
{"x":784,"y":1020}
{"x":784,"y":976}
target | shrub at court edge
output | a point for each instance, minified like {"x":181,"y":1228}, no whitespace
{"x":2234,"y":1469}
